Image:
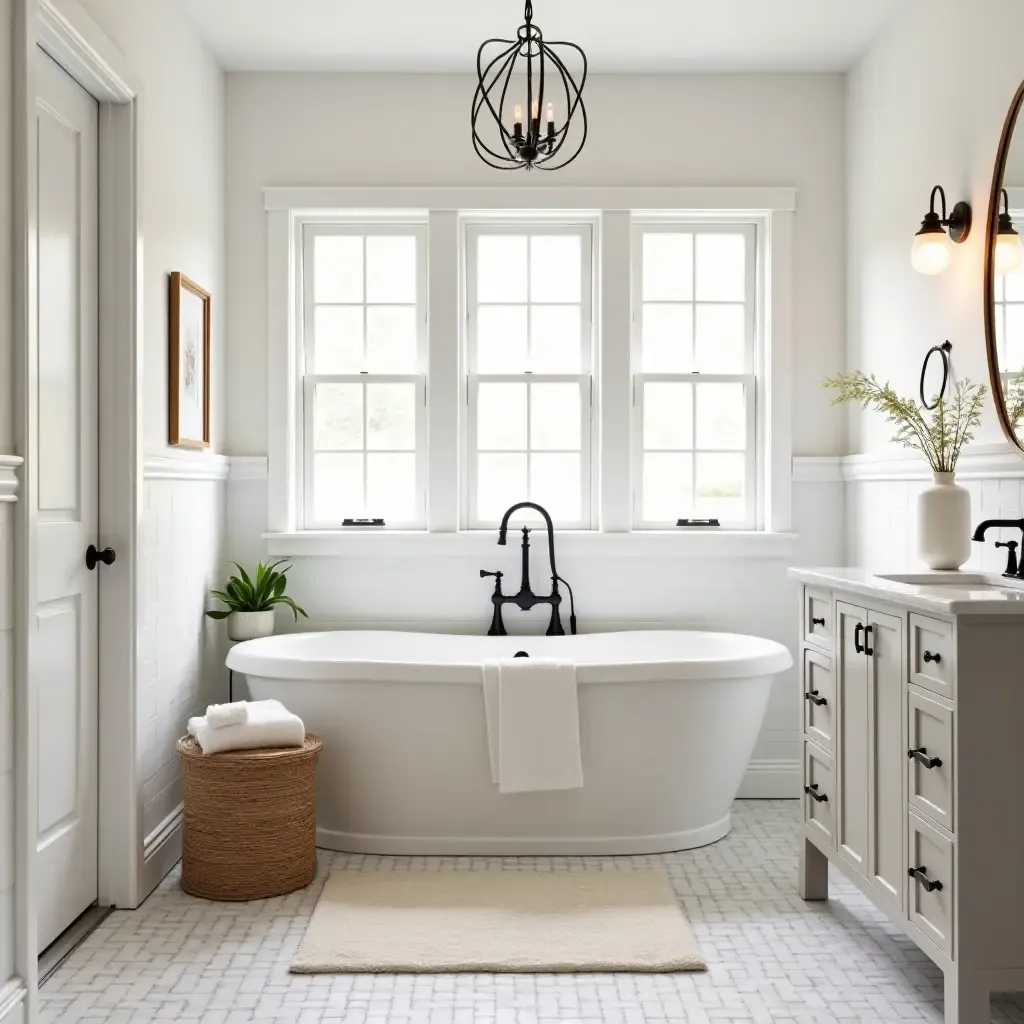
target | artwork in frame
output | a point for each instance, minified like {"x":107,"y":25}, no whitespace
{"x":188,"y":400}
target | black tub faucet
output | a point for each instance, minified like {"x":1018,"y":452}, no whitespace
{"x":526,"y":598}
{"x":1013,"y":570}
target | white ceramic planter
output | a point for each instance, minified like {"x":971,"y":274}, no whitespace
{"x":944,"y":524}
{"x":250,"y":625}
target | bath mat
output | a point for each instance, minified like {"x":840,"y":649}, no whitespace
{"x":497,"y":922}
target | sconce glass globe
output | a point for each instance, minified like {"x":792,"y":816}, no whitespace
{"x":1009,"y":254}
{"x":931,"y":252}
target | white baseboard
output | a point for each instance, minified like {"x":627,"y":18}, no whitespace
{"x":771,"y":779}
{"x":161,"y":851}
{"x":12,"y":1002}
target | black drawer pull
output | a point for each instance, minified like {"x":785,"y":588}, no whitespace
{"x":867,"y":633}
{"x":813,"y":697}
{"x":922,"y":876}
{"x":817,"y":622}
{"x":857,"y":645}
{"x":928,"y":656}
{"x":812,"y":791}
{"x":921,"y":756}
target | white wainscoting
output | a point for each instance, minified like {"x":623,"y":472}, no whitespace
{"x":180,"y":652}
{"x":881,"y":495}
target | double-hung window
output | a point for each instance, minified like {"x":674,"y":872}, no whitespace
{"x":1009,"y":317}
{"x":529,"y":296}
{"x":695,"y":373}
{"x":364,"y":360}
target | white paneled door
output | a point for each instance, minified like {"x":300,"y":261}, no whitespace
{"x":65,"y":657}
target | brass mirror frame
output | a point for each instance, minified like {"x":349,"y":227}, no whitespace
{"x":995,"y":202}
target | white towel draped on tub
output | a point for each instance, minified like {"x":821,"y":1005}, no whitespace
{"x":533,"y":724}
{"x":268,"y":724}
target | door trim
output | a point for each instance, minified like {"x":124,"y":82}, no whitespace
{"x":75,"y":42}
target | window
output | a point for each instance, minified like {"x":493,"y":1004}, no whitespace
{"x":694,"y":386}
{"x":529,"y":289}
{"x":363,"y":374}
{"x":1009,"y":309}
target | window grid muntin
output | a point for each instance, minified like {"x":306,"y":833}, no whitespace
{"x":749,"y":379}
{"x":473,"y":230}
{"x":309,"y":379}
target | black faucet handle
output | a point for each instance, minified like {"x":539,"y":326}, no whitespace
{"x":1011,"y":558}
{"x":484,"y":574}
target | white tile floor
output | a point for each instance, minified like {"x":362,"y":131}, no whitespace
{"x":773,"y":958}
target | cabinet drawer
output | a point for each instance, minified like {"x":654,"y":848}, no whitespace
{"x":819,"y":697}
{"x":819,"y":793}
{"x":930,"y":740}
{"x":817,"y":615}
{"x":931,"y":655}
{"x":931,"y":888}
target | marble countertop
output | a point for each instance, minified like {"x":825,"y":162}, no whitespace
{"x":941,"y":593}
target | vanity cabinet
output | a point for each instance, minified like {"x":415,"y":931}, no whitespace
{"x":912,"y":719}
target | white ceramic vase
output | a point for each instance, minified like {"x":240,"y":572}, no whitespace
{"x":944,"y":523}
{"x":250,"y":625}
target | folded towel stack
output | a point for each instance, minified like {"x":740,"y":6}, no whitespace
{"x":268,"y":723}
{"x":220,"y":715}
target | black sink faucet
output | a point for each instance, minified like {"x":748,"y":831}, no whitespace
{"x":526,"y":598}
{"x":1012,"y":569}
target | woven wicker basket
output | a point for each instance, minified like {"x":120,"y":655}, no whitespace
{"x":250,"y":825}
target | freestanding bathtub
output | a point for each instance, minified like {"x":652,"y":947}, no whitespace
{"x":668,"y":721}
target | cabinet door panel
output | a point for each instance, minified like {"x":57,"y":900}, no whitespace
{"x":852,"y":730}
{"x":930,"y":733}
{"x":887,"y":831}
{"x":819,"y":699}
{"x":819,"y":793}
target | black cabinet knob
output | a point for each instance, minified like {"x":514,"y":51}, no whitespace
{"x":93,"y":557}
{"x":812,"y":792}
{"x":817,"y":622}
{"x":928,"y":656}
{"x":928,"y":884}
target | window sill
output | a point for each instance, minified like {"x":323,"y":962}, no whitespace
{"x":710,"y":544}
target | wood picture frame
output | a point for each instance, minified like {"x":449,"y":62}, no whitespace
{"x":188,"y":373}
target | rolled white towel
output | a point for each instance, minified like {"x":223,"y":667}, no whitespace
{"x":269,"y":724}
{"x":220,"y":715}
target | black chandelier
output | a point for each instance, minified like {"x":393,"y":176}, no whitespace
{"x":548,"y":81}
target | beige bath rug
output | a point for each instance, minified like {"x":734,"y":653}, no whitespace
{"x":497,"y":922}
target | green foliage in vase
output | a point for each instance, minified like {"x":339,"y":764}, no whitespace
{"x":257,"y":593}
{"x":1013,"y":396}
{"x":939,"y":435}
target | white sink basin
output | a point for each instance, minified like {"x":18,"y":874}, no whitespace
{"x":964,"y":580}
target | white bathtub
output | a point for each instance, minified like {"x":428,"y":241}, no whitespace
{"x":668,"y":721}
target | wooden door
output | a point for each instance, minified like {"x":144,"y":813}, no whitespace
{"x":65,"y":666}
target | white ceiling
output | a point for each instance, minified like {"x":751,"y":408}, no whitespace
{"x":638,"y":35}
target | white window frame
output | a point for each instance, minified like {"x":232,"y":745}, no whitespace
{"x":473,"y":229}
{"x":754,"y":450}
{"x":365,"y":227}
{"x":773,"y":209}
{"x":1015,"y":199}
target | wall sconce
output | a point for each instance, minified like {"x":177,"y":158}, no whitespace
{"x":1009,"y":249}
{"x":932,"y":245}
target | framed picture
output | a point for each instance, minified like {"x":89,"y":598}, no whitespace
{"x":188,"y":400}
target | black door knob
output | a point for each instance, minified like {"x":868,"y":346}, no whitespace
{"x":93,"y":557}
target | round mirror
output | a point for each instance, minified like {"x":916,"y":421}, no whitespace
{"x":1004,"y":277}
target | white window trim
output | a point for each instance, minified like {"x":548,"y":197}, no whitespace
{"x":772,"y":209}
{"x":309,"y":230}
{"x":586,"y":228}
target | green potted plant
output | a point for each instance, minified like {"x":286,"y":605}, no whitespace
{"x":251,"y":600}
{"x":939,"y":434}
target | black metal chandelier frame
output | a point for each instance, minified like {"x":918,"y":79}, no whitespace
{"x":548,"y":78}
